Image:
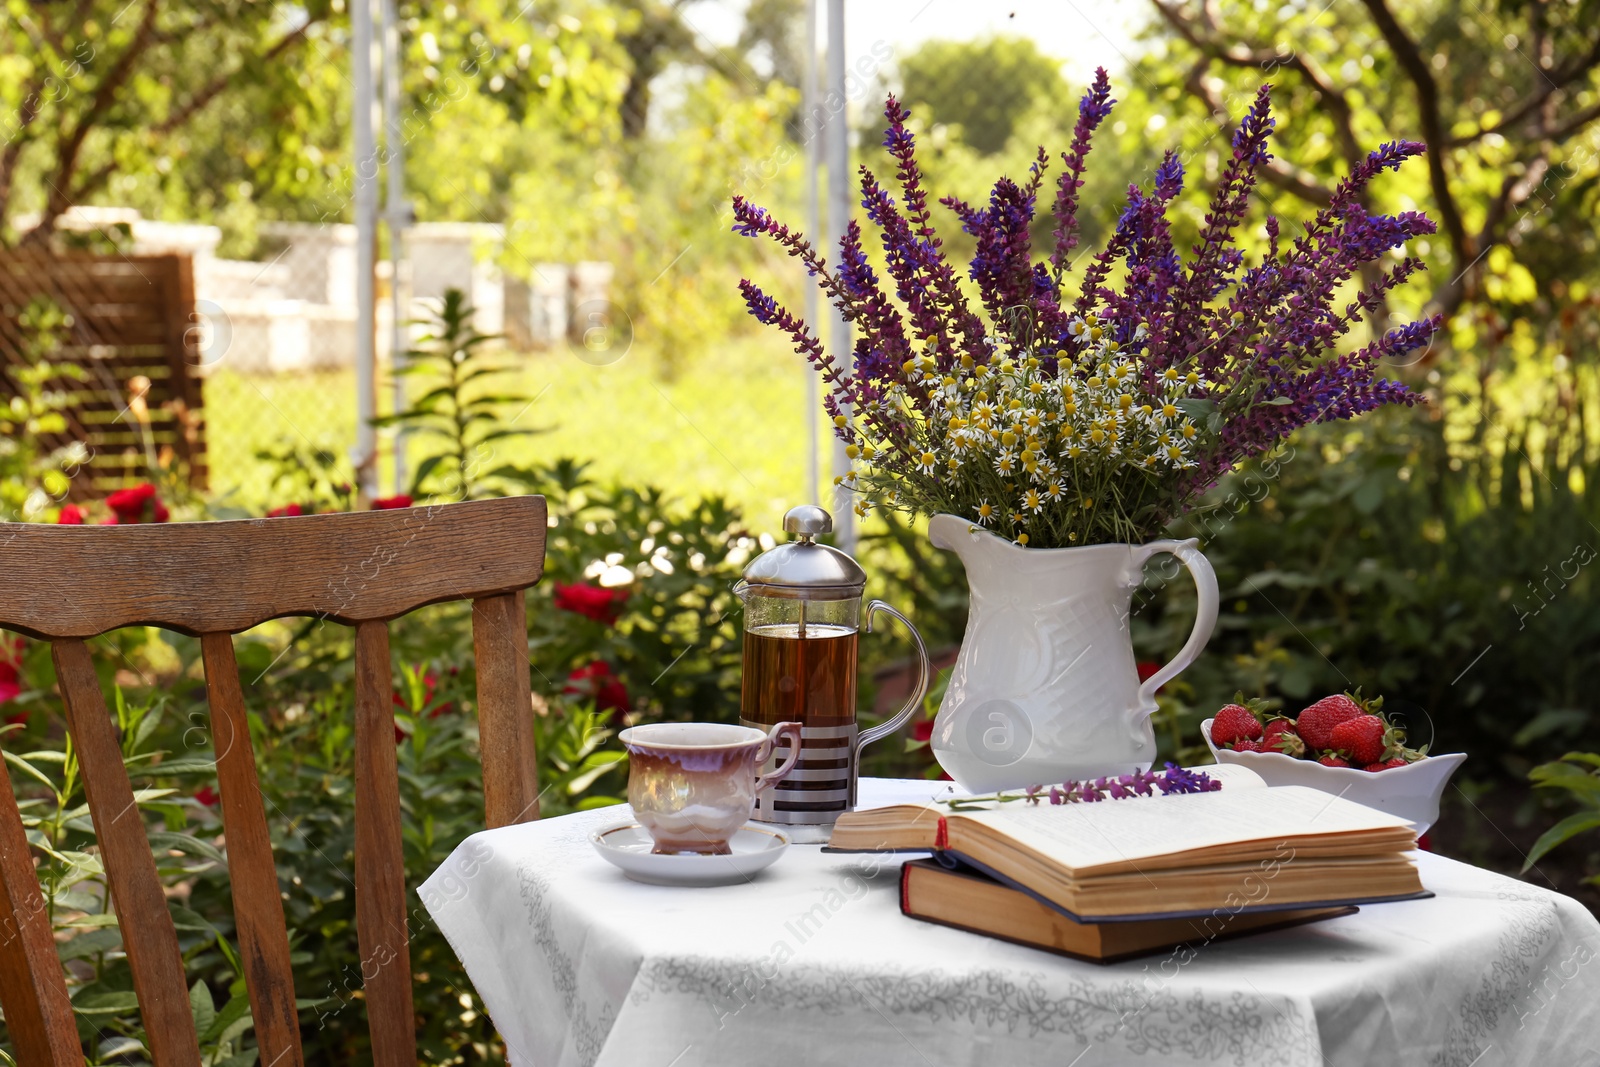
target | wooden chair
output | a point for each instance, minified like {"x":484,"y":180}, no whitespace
{"x":212,"y":580}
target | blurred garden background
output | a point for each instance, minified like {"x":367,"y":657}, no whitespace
{"x":565,"y":222}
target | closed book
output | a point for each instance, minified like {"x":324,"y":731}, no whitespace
{"x":967,"y":899}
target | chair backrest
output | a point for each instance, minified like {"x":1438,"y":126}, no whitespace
{"x":211,"y":580}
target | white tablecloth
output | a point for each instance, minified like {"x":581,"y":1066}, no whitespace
{"x":813,"y":963}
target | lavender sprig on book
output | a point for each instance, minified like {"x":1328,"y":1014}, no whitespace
{"x":1173,"y":780}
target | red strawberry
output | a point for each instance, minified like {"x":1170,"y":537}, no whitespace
{"x":1328,"y":759}
{"x":1365,"y":737}
{"x":1316,"y":723}
{"x":1281,"y":736}
{"x":1385,"y":765}
{"x":1248,"y":746}
{"x":1235,"y":723}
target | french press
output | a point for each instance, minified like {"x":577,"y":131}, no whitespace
{"x":802,"y":615}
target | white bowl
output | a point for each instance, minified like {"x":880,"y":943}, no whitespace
{"x":1411,"y":792}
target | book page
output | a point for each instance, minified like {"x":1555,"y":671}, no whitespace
{"x":1082,"y":836}
{"x":1232,"y":776}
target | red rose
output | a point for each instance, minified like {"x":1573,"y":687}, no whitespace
{"x":591,"y":601}
{"x":598,"y":683}
{"x":391,"y":503}
{"x":208,"y":796}
{"x":922,"y":730}
{"x":1146,"y":668}
{"x":71,"y":515}
{"x":286,"y":511}
{"x":135,"y":505}
{"x":10,"y":668}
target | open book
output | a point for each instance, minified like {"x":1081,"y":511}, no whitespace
{"x":1244,"y":847}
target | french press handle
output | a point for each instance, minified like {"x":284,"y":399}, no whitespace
{"x":901,"y":717}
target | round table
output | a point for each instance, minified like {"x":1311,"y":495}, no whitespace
{"x":813,"y":963}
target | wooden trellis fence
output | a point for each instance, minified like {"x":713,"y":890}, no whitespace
{"x":130,"y":326}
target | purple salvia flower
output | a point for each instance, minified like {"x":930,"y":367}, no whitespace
{"x":1169,"y":177}
{"x":1226,"y":211}
{"x":906,"y":256}
{"x":1000,"y":264}
{"x":883,"y":328}
{"x":1092,"y":109}
{"x":936,"y":270}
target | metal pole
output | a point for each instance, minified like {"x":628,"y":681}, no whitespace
{"x":813,"y":224}
{"x":399,"y":216}
{"x":366,"y":219}
{"x":836,"y":150}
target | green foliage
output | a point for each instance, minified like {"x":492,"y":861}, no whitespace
{"x":315,"y":478}
{"x":35,"y":469}
{"x":77,"y":898}
{"x":1577,"y":774}
{"x":677,"y":644}
{"x":457,"y":412}
{"x":1454,"y":580}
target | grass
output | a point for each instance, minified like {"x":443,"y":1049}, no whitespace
{"x":731,"y":423}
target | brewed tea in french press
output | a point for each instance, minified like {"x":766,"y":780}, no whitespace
{"x":802,"y":616}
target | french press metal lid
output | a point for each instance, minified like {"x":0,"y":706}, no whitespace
{"x":805,"y":569}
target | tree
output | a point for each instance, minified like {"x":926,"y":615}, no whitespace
{"x":984,"y":87}
{"x":1505,"y":96}
{"x":97,"y":87}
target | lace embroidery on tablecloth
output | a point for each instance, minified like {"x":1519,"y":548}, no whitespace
{"x":588,"y":1032}
{"x":1509,"y":980}
{"x":1236,"y":1028}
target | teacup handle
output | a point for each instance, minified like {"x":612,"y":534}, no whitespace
{"x":791,"y":730}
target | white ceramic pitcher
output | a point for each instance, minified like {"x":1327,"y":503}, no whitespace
{"x":1045,"y":688}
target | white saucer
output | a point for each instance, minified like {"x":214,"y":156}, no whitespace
{"x":628,"y":846}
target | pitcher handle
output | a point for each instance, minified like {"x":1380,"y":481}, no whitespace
{"x":924,"y":676}
{"x":1205,"y":620}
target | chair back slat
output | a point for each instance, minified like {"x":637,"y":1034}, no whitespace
{"x":257,"y":905}
{"x":33,"y":990}
{"x":380,"y":858}
{"x":225,"y":577}
{"x":505,"y":703}
{"x":148,"y":936}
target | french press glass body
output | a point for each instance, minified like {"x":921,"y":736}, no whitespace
{"x":802,"y":616}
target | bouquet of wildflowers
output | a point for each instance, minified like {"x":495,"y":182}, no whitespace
{"x":1057,"y":418}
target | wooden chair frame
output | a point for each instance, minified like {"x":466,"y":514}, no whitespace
{"x":212,"y":580}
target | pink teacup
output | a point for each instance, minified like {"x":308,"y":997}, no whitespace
{"x":694,"y":784}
